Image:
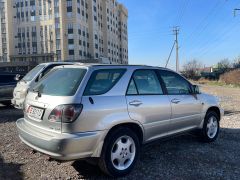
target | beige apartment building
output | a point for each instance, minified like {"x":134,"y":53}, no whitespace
{"x":3,"y":33}
{"x":65,"y":30}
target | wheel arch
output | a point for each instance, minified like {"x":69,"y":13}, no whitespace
{"x":135,"y":127}
{"x":214,"y":109}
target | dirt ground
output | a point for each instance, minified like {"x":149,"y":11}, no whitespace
{"x":182,"y":157}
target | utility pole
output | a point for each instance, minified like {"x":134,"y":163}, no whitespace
{"x":176,"y":32}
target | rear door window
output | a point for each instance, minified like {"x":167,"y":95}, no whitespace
{"x":144,"y":82}
{"x":101,"y":81}
{"x":61,"y":82}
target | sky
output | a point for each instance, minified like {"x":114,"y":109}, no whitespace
{"x":209,"y":32}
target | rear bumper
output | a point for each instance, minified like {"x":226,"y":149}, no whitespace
{"x":61,"y":146}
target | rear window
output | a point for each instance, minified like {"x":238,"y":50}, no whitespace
{"x":29,"y":76}
{"x":61,"y":82}
{"x":101,"y":81}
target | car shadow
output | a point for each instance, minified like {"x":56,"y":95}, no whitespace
{"x":10,"y":170}
{"x":88,"y":171}
{"x":167,"y":158}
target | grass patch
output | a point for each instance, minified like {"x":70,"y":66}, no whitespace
{"x":215,"y":83}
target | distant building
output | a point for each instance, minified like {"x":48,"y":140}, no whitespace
{"x":205,"y":70}
{"x":3,"y":33}
{"x":54,"y":30}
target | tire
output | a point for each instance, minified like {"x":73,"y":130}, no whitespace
{"x":210,"y":131}
{"x":117,"y":157}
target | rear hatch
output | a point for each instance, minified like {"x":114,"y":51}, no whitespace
{"x":57,"y":90}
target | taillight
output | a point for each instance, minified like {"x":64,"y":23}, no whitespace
{"x":65,"y":113}
{"x":26,"y":107}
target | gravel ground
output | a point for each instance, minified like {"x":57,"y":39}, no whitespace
{"x":182,"y":157}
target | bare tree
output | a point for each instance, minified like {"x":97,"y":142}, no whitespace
{"x":191,"y":69}
{"x":224,"y":65}
{"x":236,"y":63}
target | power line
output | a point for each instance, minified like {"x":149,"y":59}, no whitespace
{"x":182,"y":12}
{"x":225,"y":35}
{"x":204,"y":48}
{"x":200,"y":25}
{"x":204,"y":45}
{"x":170,"y":54}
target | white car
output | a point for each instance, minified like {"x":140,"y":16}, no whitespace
{"x":30,"y":79}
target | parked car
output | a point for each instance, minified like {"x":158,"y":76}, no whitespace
{"x":108,"y":112}
{"x":30,"y":80}
{"x":7,"y":84}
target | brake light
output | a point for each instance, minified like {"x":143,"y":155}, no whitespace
{"x":65,"y":113}
{"x":26,"y":108}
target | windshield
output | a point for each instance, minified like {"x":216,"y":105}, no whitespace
{"x":61,"y":82}
{"x":30,"y":75}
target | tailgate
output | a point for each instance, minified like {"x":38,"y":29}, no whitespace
{"x":38,"y":109}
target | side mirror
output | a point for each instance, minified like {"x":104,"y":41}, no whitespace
{"x":17,"y":77}
{"x":195,"y":89}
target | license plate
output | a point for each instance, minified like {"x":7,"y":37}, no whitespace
{"x":35,"y":112}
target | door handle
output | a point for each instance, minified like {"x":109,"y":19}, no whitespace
{"x":175,"y":101}
{"x":135,"y":103}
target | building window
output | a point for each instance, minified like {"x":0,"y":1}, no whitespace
{"x":58,"y":44}
{"x":71,"y":52}
{"x":70,"y":41}
{"x":69,"y":9}
{"x":70,"y":28}
{"x":32,"y":2}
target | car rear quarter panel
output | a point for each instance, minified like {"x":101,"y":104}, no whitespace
{"x":106,"y":112}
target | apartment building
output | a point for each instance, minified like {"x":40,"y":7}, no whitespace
{"x":54,"y":30}
{"x":3,"y":33}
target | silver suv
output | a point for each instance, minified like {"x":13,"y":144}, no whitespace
{"x":106,"y":111}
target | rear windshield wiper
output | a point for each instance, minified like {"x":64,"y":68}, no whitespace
{"x":24,"y":80}
{"x":37,"y":91}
